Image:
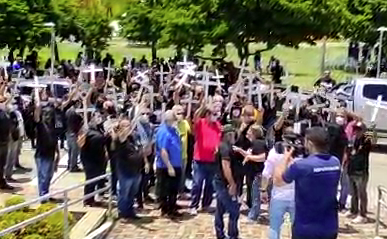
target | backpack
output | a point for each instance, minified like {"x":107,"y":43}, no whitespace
{"x":5,"y":127}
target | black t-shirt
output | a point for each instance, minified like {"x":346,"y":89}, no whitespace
{"x":46,"y":140}
{"x":73,"y":121}
{"x":337,"y":140}
{"x":257,"y":147}
{"x":94,"y":147}
{"x":226,"y":153}
{"x":359,"y":157}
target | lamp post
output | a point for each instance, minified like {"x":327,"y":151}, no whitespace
{"x":52,"y":26}
{"x":381,"y":30}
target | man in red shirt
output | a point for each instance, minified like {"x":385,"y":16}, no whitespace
{"x":208,"y":131}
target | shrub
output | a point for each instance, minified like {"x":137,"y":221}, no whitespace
{"x":48,"y":228}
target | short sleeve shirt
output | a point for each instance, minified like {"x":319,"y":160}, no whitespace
{"x":207,"y":140}
{"x":316,"y":180}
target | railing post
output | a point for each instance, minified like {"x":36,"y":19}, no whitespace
{"x":110,"y":206}
{"x":377,"y":223}
{"x":65,"y":216}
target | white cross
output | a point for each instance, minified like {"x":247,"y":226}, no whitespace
{"x":217,"y":77}
{"x":36,"y":85}
{"x":185,"y":62}
{"x":161,"y":73}
{"x":206,"y":82}
{"x":163,"y":109}
{"x":187,"y":71}
{"x":92,"y":70}
{"x":238,"y":86}
{"x":85,"y":112}
{"x":152,"y":95}
{"x":109,"y":69}
{"x":142,"y":75}
{"x":189,"y":101}
{"x":376,"y":106}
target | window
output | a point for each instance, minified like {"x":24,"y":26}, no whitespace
{"x":373,"y":91}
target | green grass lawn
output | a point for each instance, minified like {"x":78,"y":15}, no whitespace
{"x":303,"y":64}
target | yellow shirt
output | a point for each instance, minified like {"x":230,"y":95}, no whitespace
{"x":184,"y":129}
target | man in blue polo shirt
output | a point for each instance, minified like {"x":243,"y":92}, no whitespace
{"x":316,"y":179}
{"x":168,"y":164}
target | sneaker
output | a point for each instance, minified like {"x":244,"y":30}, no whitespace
{"x":359,"y":220}
{"x":193,"y":211}
{"x":349,"y":214}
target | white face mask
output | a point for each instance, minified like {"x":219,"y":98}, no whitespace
{"x":340,"y":120}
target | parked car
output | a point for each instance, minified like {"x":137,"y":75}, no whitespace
{"x":360,"y":94}
{"x":61,"y":86}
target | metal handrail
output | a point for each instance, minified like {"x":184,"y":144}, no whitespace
{"x":381,"y":191}
{"x":66,"y":204}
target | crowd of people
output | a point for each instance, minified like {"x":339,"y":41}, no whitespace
{"x":294,"y":160}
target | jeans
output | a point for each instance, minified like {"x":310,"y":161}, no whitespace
{"x":225,"y":203}
{"x":73,"y":151}
{"x":277,"y":210}
{"x":202,"y":172}
{"x":168,"y":188}
{"x":344,"y":187}
{"x":3,"y":161}
{"x":129,"y":184}
{"x":45,"y":168}
{"x":143,"y":190}
{"x":255,"y":198}
{"x":358,"y":184}
{"x":12,"y":157}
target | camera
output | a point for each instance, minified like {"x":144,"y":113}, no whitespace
{"x":296,"y":138}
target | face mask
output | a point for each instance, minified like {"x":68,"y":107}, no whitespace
{"x":340,"y":120}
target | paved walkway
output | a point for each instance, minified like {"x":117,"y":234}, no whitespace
{"x":152,"y":226}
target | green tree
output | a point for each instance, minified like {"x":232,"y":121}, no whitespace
{"x":22,"y":24}
{"x":142,"y":22}
{"x":88,"y":24}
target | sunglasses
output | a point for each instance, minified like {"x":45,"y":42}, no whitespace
{"x":145,"y":113}
{"x":179,"y":113}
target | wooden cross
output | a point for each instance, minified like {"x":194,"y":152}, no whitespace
{"x":185,"y":62}
{"x":206,"y":82}
{"x":161,"y":73}
{"x":109,"y":69}
{"x":217,"y":77}
{"x":238,"y":86}
{"x":92,"y":70}
{"x":85,"y":112}
{"x":187,"y":71}
{"x":376,"y":106}
{"x":189,"y":101}
{"x":152,"y":95}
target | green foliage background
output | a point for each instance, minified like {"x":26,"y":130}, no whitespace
{"x":48,"y":228}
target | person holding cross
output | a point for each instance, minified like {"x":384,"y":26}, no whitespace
{"x":207,"y":131}
{"x":47,"y":151}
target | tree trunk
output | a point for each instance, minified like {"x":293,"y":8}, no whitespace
{"x":11,"y":57}
{"x":154,"y":50}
